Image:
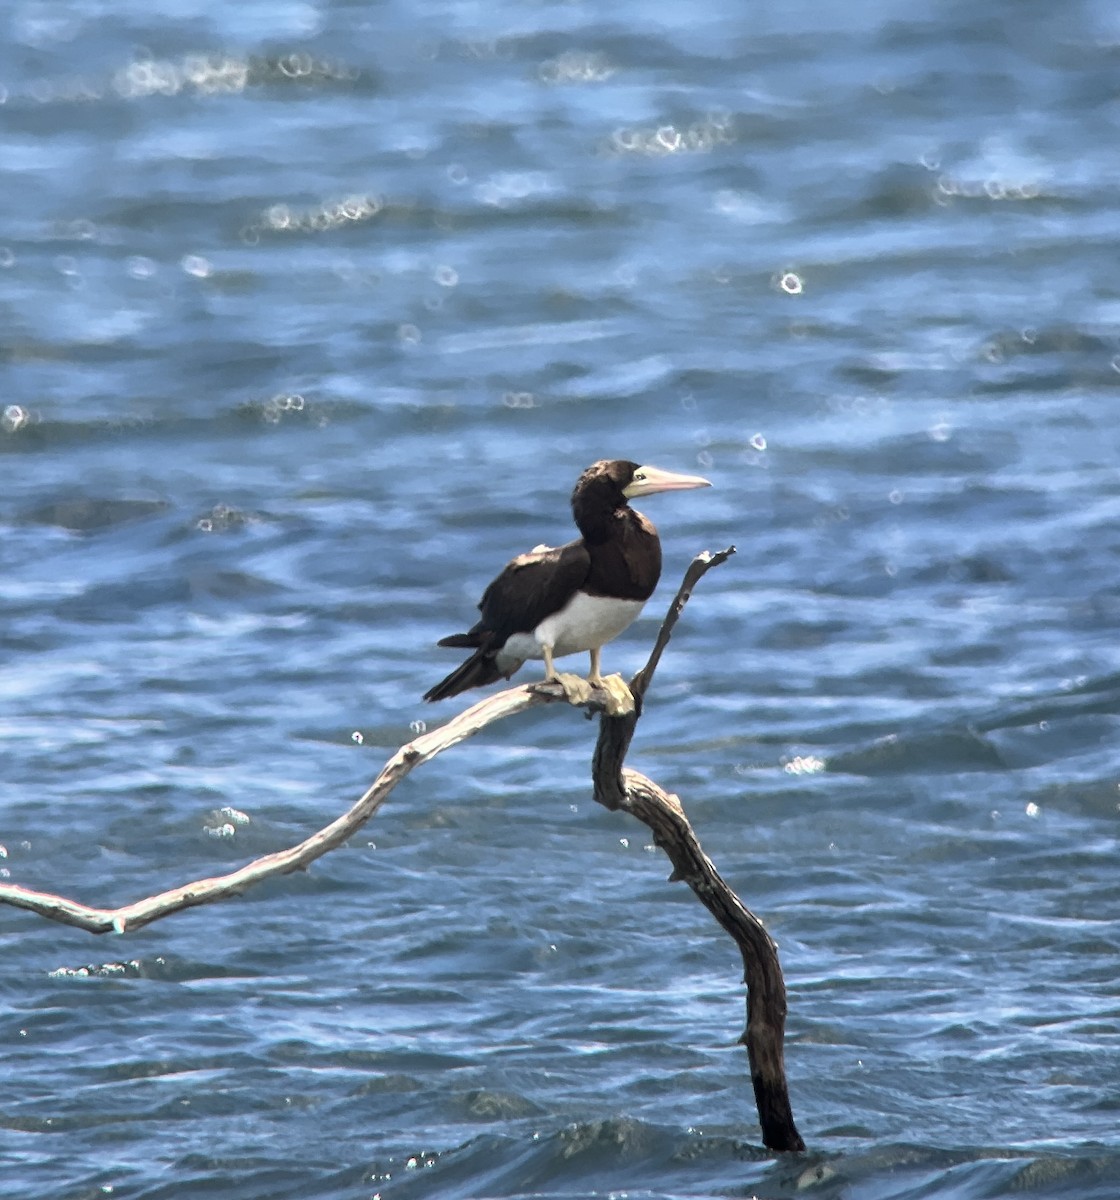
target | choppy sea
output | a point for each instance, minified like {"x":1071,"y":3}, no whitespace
{"x":310,"y":314}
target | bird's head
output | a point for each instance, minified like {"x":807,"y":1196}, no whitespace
{"x":607,"y":485}
{"x":645,"y":481}
{"x":612,"y":481}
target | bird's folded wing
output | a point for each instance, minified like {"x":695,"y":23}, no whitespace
{"x":534,"y":586}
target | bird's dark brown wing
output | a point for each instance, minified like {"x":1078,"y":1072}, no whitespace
{"x":533,"y":586}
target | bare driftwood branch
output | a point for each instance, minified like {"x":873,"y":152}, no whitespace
{"x":766,"y":990}
{"x":616,"y":786}
{"x":283,"y":862}
{"x":619,"y":787}
{"x":615,"y":734}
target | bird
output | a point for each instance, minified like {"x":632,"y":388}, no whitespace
{"x":553,"y":601}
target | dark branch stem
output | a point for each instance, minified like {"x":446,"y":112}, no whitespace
{"x":618,"y":787}
{"x":615,"y":733}
{"x":766,"y":992}
{"x":697,"y":569}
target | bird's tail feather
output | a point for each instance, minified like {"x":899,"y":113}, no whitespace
{"x":462,"y":640}
{"x":479,"y":670}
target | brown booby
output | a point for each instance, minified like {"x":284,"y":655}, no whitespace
{"x":556,"y":601}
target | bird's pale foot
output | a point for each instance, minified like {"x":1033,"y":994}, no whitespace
{"x":617,"y":698}
{"x":576,"y":690}
{"x":620,"y":700}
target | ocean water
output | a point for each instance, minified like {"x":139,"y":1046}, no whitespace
{"x":310,"y":315}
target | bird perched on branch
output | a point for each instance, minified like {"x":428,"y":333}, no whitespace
{"x":556,"y":601}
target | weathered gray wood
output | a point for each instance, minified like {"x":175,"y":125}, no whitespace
{"x":295,"y":858}
{"x":616,"y":786}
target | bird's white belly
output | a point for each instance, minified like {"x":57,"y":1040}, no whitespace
{"x":584,"y":623}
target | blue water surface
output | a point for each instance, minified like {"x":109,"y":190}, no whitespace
{"x":311,"y":312}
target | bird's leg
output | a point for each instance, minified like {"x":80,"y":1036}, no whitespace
{"x":576,"y":690}
{"x":620,"y":700}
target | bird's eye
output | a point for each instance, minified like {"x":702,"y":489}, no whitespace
{"x":639,"y":476}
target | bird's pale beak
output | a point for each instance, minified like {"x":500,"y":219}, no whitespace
{"x":648,"y":480}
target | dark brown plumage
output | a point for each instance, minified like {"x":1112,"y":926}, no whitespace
{"x":555,"y":601}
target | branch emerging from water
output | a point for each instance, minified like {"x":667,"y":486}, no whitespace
{"x":619,"y":787}
{"x":764,"y":1036}
{"x":616,"y":786}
